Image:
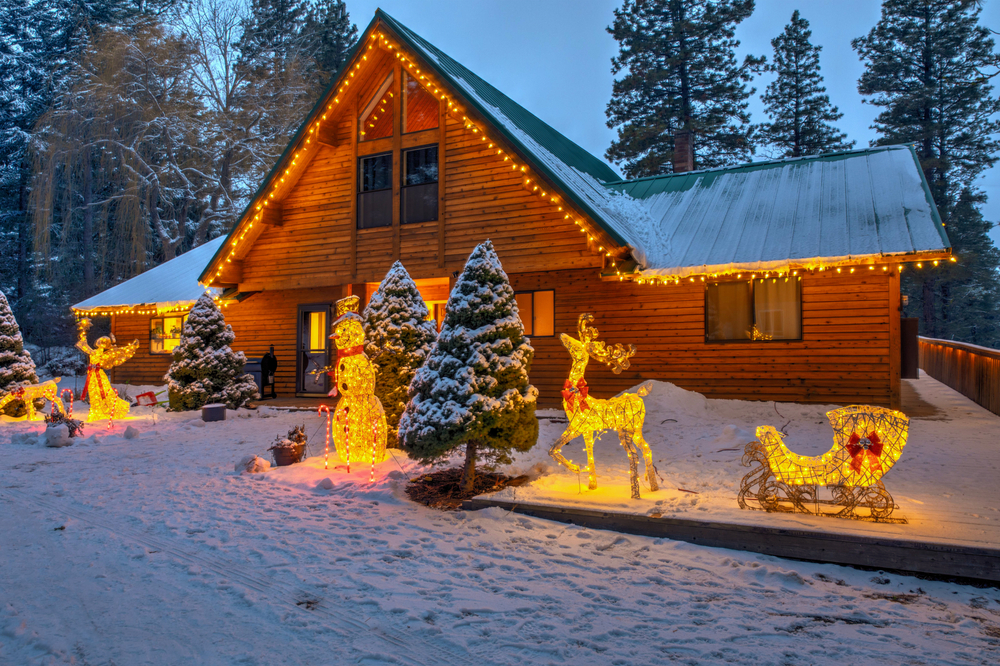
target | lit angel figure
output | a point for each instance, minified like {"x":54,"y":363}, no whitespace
{"x":587,"y":416}
{"x":104,"y":401}
{"x":359,"y":427}
{"x":867,"y":442}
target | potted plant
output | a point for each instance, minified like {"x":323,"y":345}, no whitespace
{"x":291,"y":448}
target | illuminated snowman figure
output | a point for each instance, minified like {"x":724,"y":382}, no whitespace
{"x":359,"y":428}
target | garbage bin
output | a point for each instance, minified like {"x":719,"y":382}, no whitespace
{"x":252,"y":367}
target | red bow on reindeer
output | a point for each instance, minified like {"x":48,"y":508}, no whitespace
{"x":858,"y":448}
{"x":576,"y":396}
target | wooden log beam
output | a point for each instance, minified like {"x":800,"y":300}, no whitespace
{"x":271,"y":215}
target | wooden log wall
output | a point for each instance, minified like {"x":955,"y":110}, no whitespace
{"x":143,"y":368}
{"x":971,"y":370}
{"x":846,"y":354}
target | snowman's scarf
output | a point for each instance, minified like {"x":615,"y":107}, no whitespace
{"x":342,"y":354}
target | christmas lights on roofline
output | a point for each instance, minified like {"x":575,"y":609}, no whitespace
{"x":529,"y":183}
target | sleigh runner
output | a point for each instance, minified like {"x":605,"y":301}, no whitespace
{"x":867,"y":443}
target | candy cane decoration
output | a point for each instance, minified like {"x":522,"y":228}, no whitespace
{"x":326,"y":451}
{"x":63,"y":392}
{"x":371,"y":479}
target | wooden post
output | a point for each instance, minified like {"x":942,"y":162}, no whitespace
{"x":895,"y":350}
{"x":397,"y":162}
{"x":354,"y":187}
{"x":442,"y":146}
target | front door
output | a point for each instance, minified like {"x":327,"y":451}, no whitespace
{"x":312,"y":349}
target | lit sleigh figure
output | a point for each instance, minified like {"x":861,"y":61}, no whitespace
{"x":624,"y":413}
{"x":867,"y":442}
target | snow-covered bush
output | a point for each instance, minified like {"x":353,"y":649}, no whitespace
{"x":205,"y":369}
{"x":17,"y":369}
{"x":398,"y":337}
{"x":474,"y":389}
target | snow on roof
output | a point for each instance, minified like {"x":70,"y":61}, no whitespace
{"x":172,"y":282}
{"x":849,"y":206}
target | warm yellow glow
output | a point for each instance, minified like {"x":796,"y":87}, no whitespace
{"x":359,"y":427}
{"x":589,"y":416}
{"x":867,"y":442}
{"x":28,"y":394}
{"x":104,"y":401}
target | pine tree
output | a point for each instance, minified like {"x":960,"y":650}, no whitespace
{"x":16,"y":366}
{"x":680,"y":74}
{"x":474,"y":389}
{"x":205,"y":369}
{"x":398,"y":338}
{"x":796,"y":101}
{"x":928,"y":65}
{"x":331,"y":35}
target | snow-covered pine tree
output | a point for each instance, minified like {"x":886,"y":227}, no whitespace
{"x":474,"y":389}
{"x":398,"y":338}
{"x":205,"y":369}
{"x":796,"y":101}
{"x":679,"y":72}
{"x":17,"y":369}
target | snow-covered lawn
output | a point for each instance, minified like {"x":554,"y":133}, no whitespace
{"x":151,"y":550}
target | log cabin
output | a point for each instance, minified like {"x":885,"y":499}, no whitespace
{"x":774,"y":280}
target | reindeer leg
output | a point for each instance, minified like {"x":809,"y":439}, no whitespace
{"x":648,"y":457}
{"x":556,"y":451}
{"x":588,"y":438}
{"x":633,"y":466}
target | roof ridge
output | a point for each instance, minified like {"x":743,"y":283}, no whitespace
{"x":762,"y":163}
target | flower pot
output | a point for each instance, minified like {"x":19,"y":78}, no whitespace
{"x":288,"y":455}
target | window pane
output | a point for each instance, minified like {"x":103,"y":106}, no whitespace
{"x":778,"y":309}
{"x":419,"y":204}
{"x":728,"y":314}
{"x":375,"y":209}
{"x":525,"y":311}
{"x":376,"y":173}
{"x":165,"y":334}
{"x":544,"y":310}
{"x":376,"y":118}
{"x":420,"y":108}
{"x":421,"y":165}
{"x":317,"y":330}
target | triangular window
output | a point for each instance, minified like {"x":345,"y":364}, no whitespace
{"x":376,"y":119}
{"x":420,"y":107}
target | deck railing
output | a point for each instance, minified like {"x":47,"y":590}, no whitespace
{"x":969,"y":369}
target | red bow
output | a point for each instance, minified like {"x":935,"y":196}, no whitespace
{"x":342,"y":354}
{"x":857,"y":451}
{"x":86,"y":383}
{"x":576,"y":396}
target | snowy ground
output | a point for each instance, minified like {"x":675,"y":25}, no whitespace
{"x":152,"y":550}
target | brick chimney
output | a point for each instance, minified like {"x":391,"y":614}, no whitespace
{"x":683,"y":151}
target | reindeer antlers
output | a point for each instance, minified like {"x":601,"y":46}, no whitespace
{"x":615,"y":357}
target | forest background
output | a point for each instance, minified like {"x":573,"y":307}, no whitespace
{"x":132,"y":131}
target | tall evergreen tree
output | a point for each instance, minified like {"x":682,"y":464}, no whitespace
{"x":796,"y":101}
{"x":474,"y":389}
{"x":332,"y":36}
{"x":680,"y":73}
{"x":928,"y":65}
{"x":398,"y":338}
{"x":16,"y":366}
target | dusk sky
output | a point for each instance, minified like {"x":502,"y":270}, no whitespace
{"x":554,"y":56}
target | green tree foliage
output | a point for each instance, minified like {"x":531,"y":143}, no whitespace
{"x":796,"y":102}
{"x":928,"y":65}
{"x":474,"y":389}
{"x":679,"y":72}
{"x":16,"y":365}
{"x":398,"y":338}
{"x":332,"y":36}
{"x":204,"y":368}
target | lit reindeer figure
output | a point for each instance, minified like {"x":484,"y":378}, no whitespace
{"x":623,"y":414}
